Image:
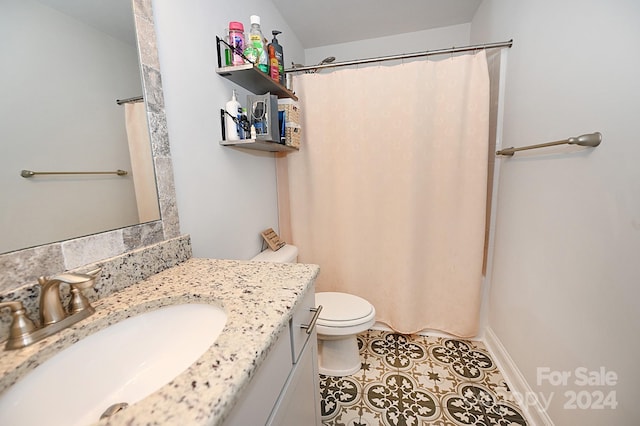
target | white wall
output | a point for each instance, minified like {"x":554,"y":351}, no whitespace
{"x":60,"y":80}
{"x":226,"y":197}
{"x":419,"y":41}
{"x":565,"y":285}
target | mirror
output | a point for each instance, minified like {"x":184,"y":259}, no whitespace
{"x":69,"y":61}
{"x":20,"y":269}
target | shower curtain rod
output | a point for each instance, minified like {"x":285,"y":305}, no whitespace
{"x":450,"y":50}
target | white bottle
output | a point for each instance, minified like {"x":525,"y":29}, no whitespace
{"x":231,"y":127}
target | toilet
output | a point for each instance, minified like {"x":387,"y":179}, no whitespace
{"x":343,"y":316}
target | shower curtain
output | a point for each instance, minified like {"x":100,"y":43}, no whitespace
{"x":388,"y":191}
{"x":142,"y":171}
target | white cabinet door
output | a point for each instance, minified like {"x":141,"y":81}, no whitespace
{"x":285,"y":389}
{"x":302,"y":318}
{"x":299,"y":404}
{"x":257,"y":400}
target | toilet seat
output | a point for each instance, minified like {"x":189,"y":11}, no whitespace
{"x":343,"y":310}
{"x":342,"y":317}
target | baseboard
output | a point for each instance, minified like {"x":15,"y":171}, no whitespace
{"x":533,"y":410}
{"x":428,"y":332}
{"x":380,"y":327}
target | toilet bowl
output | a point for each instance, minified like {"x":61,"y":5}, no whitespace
{"x":343,"y":316}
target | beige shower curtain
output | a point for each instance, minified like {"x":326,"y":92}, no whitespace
{"x":388,"y":192}
{"x":144,"y":180}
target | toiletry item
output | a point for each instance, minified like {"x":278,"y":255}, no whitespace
{"x":288,"y":82}
{"x":259,"y":117}
{"x":239,"y":127}
{"x":282,"y":125}
{"x":231,"y":118}
{"x":236,"y":40}
{"x":252,"y":54}
{"x":279,"y":55}
{"x":227,"y":50}
{"x":263,"y":115}
{"x":244,"y":125}
{"x":257,"y":40}
{"x":274,"y":69}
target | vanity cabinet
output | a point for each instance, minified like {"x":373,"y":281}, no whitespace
{"x":299,"y":404}
{"x":285,"y":388}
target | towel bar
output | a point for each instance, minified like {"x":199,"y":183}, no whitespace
{"x":589,"y":139}
{"x":29,"y":173}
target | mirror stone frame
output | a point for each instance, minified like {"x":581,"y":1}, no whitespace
{"x":24,"y":266}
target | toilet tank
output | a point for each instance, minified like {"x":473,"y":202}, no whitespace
{"x":286,"y":254}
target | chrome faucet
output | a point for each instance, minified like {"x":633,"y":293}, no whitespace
{"x":53,"y":317}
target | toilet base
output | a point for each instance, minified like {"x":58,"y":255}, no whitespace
{"x":338,"y":357}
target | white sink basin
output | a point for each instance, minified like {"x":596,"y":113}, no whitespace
{"x":124,"y":362}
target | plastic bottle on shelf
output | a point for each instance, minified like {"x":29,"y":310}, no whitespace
{"x":244,"y":125}
{"x":257,"y":41}
{"x":227,"y":51}
{"x":234,"y":111}
{"x":277,"y":47}
{"x":251,"y":53}
{"x":274,"y":69}
{"x":237,"y":42}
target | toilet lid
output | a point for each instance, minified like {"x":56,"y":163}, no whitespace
{"x":342,"y":307}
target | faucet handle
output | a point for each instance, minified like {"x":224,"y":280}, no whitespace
{"x":21,"y":324}
{"x":79,"y":301}
{"x":85,"y":280}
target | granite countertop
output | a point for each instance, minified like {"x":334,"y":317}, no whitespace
{"x":258,"y":298}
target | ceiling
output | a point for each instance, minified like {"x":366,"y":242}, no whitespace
{"x":113,"y":17}
{"x":315,"y":22}
{"x":324,"y":22}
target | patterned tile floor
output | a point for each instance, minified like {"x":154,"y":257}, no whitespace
{"x":416,"y":381}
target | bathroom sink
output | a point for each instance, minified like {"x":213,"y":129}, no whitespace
{"x":124,"y":362}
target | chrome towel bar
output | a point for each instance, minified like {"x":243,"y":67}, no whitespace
{"x":29,"y":173}
{"x":590,"y":139}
